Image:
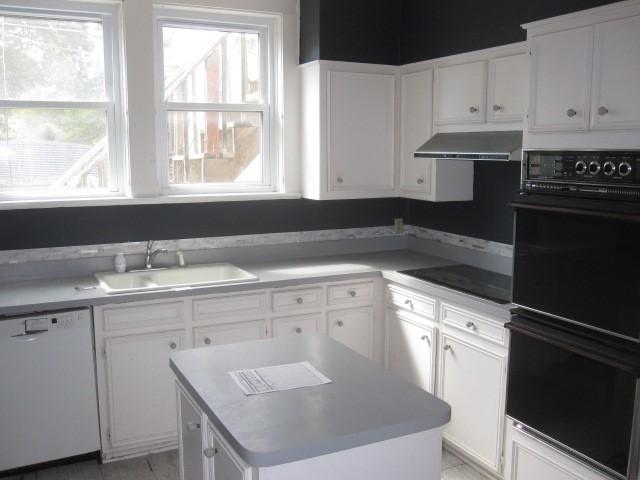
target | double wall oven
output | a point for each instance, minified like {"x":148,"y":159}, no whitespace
{"x":574,"y":363}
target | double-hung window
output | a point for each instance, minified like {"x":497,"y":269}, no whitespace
{"x":59,"y":105}
{"x":216,"y":97}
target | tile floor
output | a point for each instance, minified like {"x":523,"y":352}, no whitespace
{"x":164,"y":466}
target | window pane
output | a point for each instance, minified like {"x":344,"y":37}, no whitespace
{"x":44,"y":59}
{"x":215,"y":147}
{"x":203,"y":65}
{"x":53,"y":149}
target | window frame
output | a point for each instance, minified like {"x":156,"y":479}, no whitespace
{"x":109,"y":15}
{"x":266,"y":27}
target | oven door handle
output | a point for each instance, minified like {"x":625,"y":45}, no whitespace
{"x":560,"y":207}
{"x":585,"y":347}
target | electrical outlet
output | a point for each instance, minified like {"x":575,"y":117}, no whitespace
{"x":398,"y":225}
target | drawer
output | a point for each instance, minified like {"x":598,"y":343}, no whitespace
{"x":473,"y":323}
{"x":412,"y":301}
{"x":229,"y":333}
{"x":296,"y":325}
{"x":297,"y":299}
{"x":222,"y":307}
{"x":143,"y":315}
{"x":350,"y":293}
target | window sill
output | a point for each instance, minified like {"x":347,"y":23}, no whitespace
{"x":164,"y":199}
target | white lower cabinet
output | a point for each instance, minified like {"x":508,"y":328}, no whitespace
{"x":140,"y":389}
{"x":241,"y":331}
{"x":473,"y":381}
{"x":527,"y":458}
{"x":410,"y":349}
{"x":354,"y":328}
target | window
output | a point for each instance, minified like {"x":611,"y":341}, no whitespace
{"x":216,"y":103}
{"x":58,"y":101}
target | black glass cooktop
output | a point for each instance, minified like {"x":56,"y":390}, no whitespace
{"x":476,"y":281}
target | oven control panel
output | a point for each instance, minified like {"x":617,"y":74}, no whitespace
{"x":606,"y":174}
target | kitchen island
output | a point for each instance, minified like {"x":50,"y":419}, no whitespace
{"x":365,"y":424}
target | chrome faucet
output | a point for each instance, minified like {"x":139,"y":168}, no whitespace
{"x":151,"y":254}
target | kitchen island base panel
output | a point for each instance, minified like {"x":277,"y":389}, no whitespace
{"x":412,"y":457}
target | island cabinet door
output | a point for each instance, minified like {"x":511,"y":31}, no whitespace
{"x":221,"y":462}
{"x":410,"y":349}
{"x":191,"y":444}
{"x":353,"y":328}
{"x":141,"y":392}
{"x":472,"y":381}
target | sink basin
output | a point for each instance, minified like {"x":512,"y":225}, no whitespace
{"x":173,"y":278}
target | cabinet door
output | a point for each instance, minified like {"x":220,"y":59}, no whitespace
{"x":508,"y":82}
{"x":296,"y":325}
{"x":229,"y":333}
{"x":561,"y":79}
{"x":191,"y":445}
{"x":472,"y":381}
{"x":460,"y":93}
{"x":616,"y":99}
{"x":360,"y":140}
{"x":410,"y":349}
{"x":353,"y":328}
{"x":224,"y":464}
{"x":140,"y":386}
{"x":416,"y":128}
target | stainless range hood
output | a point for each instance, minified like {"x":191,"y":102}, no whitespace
{"x":497,"y":146}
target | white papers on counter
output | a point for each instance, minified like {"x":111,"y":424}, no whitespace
{"x":254,"y":381}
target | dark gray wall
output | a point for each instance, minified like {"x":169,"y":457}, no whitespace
{"x":53,"y":227}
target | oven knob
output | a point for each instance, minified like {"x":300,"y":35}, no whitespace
{"x":609,"y":168}
{"x":594,"y":168}
{"x":624,"y":168}
{"x":581,"y":167}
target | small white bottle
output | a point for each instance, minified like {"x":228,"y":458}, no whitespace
{"x":120,"y":263}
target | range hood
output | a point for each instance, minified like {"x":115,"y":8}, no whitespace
{"x":501,"y":146}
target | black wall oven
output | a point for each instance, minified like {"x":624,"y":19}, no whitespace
{"x":574,"y":360}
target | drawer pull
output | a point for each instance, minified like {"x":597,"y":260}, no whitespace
{"x":207,"y":341}
{"x":471,"y":326}
{"x":408,"y":302}
{"x":299,"y":300}
{"x":571,"y":113}
{"x":448,"y":348}
{"x":425,"y":338}
{"x":352,"y":293}
{"x":420,"y":181}
{"x":340,"y":323}
{"x":192,"y":427}
{"x":298,"y":330}
{"x":173,"y":345}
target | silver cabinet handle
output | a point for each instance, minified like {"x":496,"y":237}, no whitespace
{"x":173,"y":345}
{"x":299,"y":300}
{"x":409,"y":303}
{"x":471,"y":325}
{"x":192,"y":427}
{"x":497,"y":108}
{"x":207,"y":341}
{"x":420,"y":181}
{"x":603,"y":111}
{"x":352,"y":293}
{"x":339,"y":180}
{"x":209,"y":452}
{"x":473,"y":109}
{"x":298,"y":330}
{"x":340,"y":323}
{"x":448,"y":348}
{"x":571,"y":113}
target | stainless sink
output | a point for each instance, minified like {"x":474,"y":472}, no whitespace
{"x":173,"y":278}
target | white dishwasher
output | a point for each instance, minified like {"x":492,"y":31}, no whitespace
{"x":48,"y":404}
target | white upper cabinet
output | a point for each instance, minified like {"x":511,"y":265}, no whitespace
{"x":616,"y":74}
{"x":508,"y":81}
{"x":560,"y":85}
{"x":460,"y":93}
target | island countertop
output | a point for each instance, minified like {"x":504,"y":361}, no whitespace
{"x":364,"y":404}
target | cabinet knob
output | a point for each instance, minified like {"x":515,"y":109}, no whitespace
{"x":352,"y":293}
{"x":471,"y":325}
{"x":207,"y":341}
{"x":571,"y":113}
{"x":408,"y":302}
{"x":340,"y":323}
{"x":448,"y":348}
{"x":173,"y":345}
{"x":192,"y":427}
{"x":339,"y":180}
{"x":298,"y":330}
{"x":473,"y":109}
{"x":603,"y":111}
{"x":497,"y":108}
{"x":424,"y":338}
{"x":420,"y":181}
{"x":209,"y":452}
{"x":299,"y":300}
